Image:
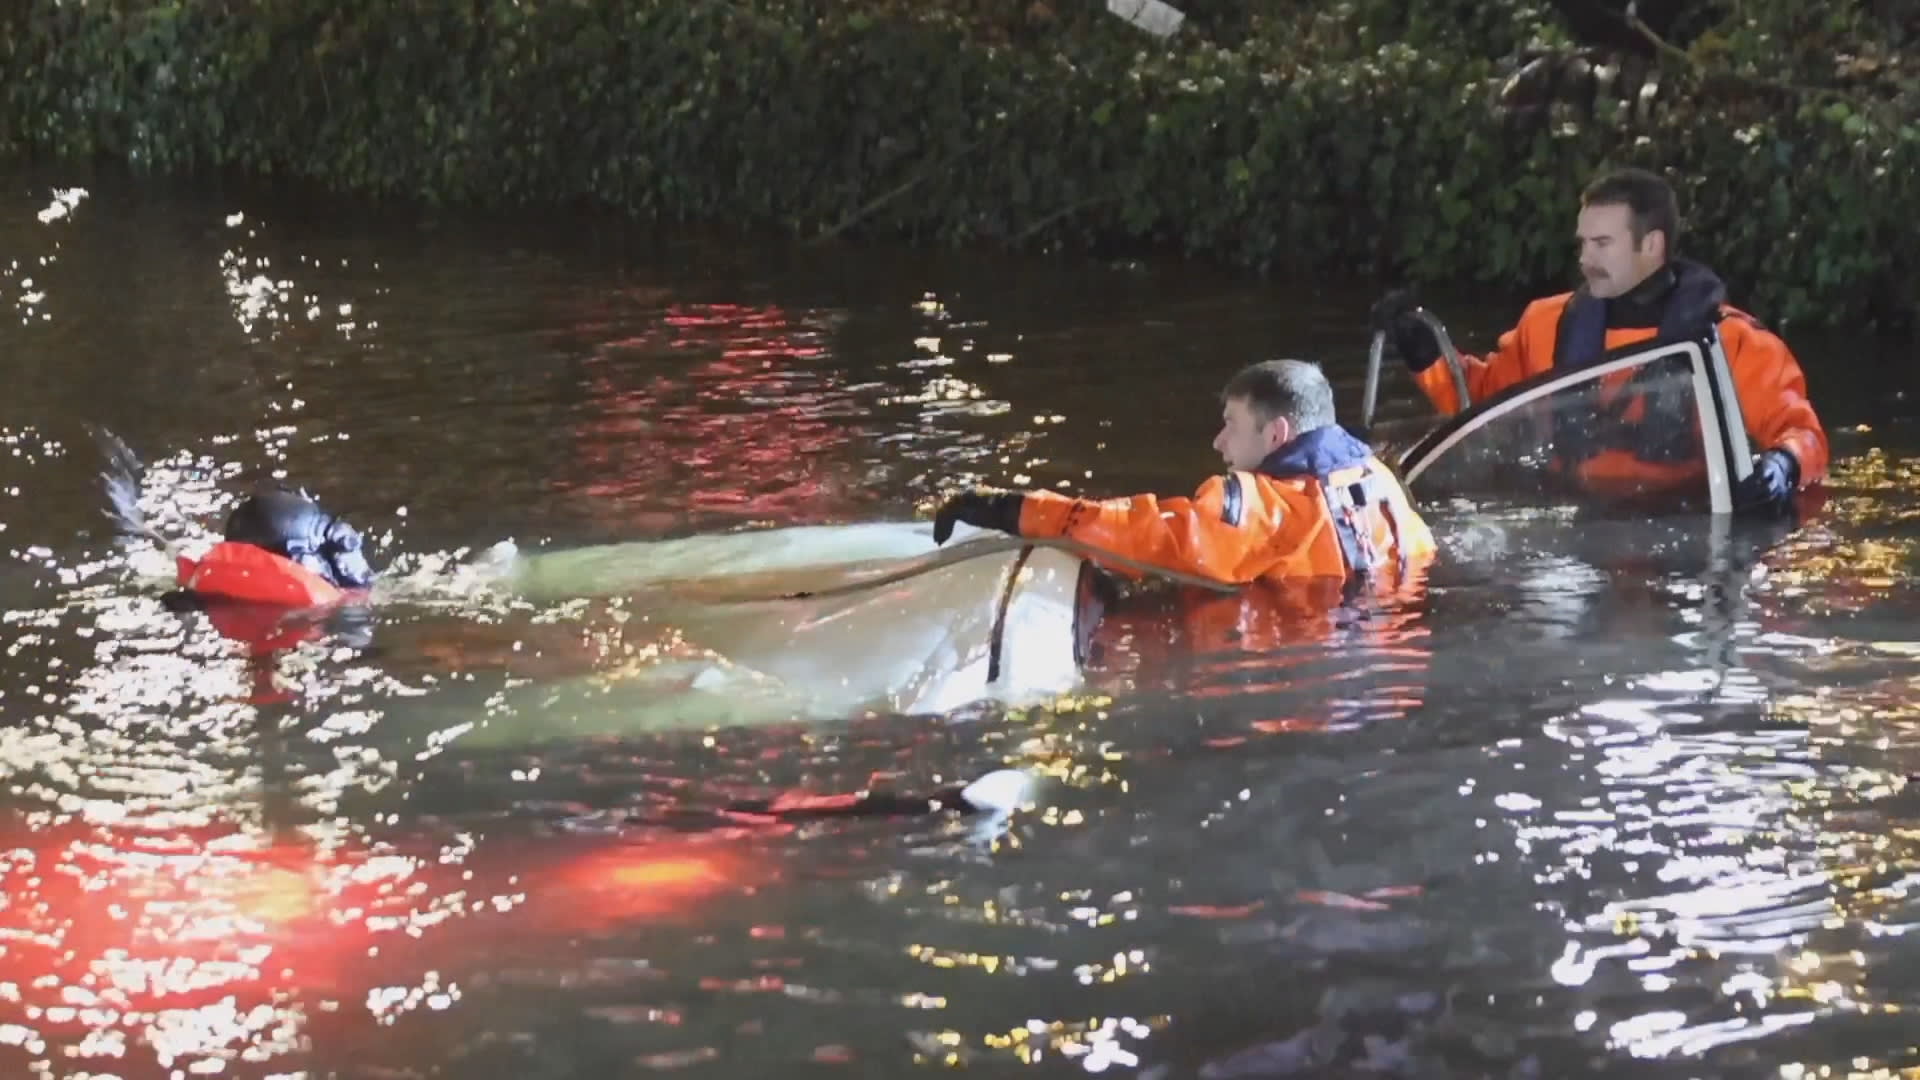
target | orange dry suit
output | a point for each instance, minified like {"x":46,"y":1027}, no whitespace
{"x":1572,"y":330}
{"x":1321,"y":506}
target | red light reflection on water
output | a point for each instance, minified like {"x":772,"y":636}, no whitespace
{"x":183,"y":947}
{"x":759,"y":431}
{"x":73,"y":904}
{"x":665,"y":880}
{"x":180,"y":950}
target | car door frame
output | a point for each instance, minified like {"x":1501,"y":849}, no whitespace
{"x":1723,"y":426}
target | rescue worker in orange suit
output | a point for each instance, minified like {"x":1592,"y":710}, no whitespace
{"x":1636,"y":290}
{"x":1301,"y":499}
{"x":1304,"y":516}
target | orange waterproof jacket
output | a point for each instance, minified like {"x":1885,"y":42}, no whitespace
{"x":1572,"y":329}
{"x":1320,"y":506}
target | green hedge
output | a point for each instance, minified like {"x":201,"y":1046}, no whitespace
{"x":1360,"y":137}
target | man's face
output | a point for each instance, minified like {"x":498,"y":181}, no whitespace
{"x":1609,"y":259}
{"x":1244,"y":442}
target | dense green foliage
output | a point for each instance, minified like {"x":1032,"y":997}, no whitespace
{"x":1435,"y":141}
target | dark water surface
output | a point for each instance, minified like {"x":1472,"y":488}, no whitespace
{"x":1623,"y":801}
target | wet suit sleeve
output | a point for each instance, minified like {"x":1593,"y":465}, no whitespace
{"x":1773,"y":397}
{"x":1487,"y":375}
{"x":1214,"y":534}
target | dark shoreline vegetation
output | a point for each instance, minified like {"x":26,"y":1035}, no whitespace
{"x":1437,"y":142}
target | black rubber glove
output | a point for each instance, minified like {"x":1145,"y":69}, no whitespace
{"x":294,"y":526}
{"x":1771,"y":484}
{"x":981,"y":509}
{"x":1393,"y":313}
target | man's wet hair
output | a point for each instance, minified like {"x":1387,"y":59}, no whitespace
{"x":1649,"y":199}
{"x":1295,"y":389}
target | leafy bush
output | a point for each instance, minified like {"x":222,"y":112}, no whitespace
{"x":1365,"y":136}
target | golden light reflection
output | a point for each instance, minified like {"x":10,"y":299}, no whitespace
{"x":1874,"y":470}
{"x":1093,"y":1044}
{"x":1860,"y":546}
{"x":949,"y":959}
{"x":1825,"y":576}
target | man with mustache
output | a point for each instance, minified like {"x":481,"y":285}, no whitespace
{"x":1636,"y":290}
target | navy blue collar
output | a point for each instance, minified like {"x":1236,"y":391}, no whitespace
{"x":1316,"y":453}
{"x":1682,"y":299}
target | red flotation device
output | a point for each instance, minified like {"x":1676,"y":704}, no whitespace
{"x":257,"y":591}
{"x":236,"y":571}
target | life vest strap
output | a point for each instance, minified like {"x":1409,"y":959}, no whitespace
{"x":1352,"y":495}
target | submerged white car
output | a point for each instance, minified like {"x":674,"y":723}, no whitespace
{"x":803,"y":624}
{"x":819,"y":623}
